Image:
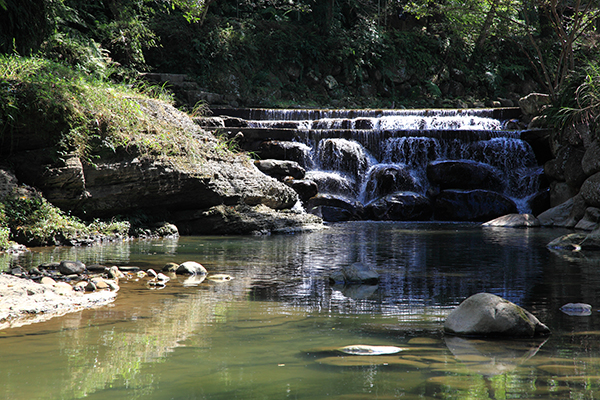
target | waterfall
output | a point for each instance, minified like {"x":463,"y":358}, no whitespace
{"x":366,"y":155}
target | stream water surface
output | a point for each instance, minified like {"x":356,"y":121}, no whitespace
{"x":272,"y":332}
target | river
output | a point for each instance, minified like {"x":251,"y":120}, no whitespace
{"x":273,"y":330}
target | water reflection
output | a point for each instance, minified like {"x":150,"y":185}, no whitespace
{"x":492,"y":357}
{"x":248,"y":337}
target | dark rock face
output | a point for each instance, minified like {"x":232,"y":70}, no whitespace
{"x":285,"y":150}
{"x":590,"y":190}
{"x":279,"y":169}
{"x":400,"y":206}
{"x":463,"y":174}
{"x":243,"y":219}
{"x":485,"y":314}
{"x":334,"y":208}
{"x":152,"y":185}
{"x":540,"y":202}
{"x":471,"y":205}
{"x":386,"y":179}
{"x":304,"y":187}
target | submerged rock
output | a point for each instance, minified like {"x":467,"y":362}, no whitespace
{"x":576,"y":242}
{"x":355,"y":273}
{"x":485,"y":314}
{"x":367,"y":350}
{"x":577,"y":309}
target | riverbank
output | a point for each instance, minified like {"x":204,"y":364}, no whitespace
{"x":23,"y":301}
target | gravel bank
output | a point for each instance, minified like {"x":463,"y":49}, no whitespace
{"x":23,"y":301}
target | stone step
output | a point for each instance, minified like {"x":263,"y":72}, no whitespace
{"x":296,"y":134}
{"x":261,"y":114}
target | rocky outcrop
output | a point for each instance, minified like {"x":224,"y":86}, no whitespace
{"x":174,"y":188}
{"x":574,"y":175}
{"x":485,"y":314}
{"x":244,"y":219}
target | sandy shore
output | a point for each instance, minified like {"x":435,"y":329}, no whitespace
{"x":23,"y":301}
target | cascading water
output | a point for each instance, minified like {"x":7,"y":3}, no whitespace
{"x":365,"y":155}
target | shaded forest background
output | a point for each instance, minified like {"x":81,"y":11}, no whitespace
{"x":73,"y":73}
{"x":333,"y":53}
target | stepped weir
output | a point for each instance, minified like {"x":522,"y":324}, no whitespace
{"x":451,"y":165}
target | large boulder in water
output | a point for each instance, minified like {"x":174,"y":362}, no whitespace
{"x":485,"y":314}
{"x":400,"y":206}
{"x":471,"y":205}
{"x":384,"y":179}
{"x":464,"y":174}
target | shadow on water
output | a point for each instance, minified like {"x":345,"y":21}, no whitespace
{"x":274,"y":330}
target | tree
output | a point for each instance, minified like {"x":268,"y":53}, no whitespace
{"x":570,"y":21}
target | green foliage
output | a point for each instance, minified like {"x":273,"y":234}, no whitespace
{"x":85,"y":115}
{"x":31,"y":220}
{"x":579,"y":101}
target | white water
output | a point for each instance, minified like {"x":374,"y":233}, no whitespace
{"x":347,"y":147}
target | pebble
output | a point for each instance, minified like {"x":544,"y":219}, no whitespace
{"x":170,"y":267}
{"x":162,"y":277}
{"x":115,"y":273}
{"x":220,"y":277}
{"x":100,"y":283}
{"x":63,"y":288}
{"x":47,"y":281}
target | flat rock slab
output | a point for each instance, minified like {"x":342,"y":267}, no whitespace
{"x":514,"y":221}
{"x":23,"y":301}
